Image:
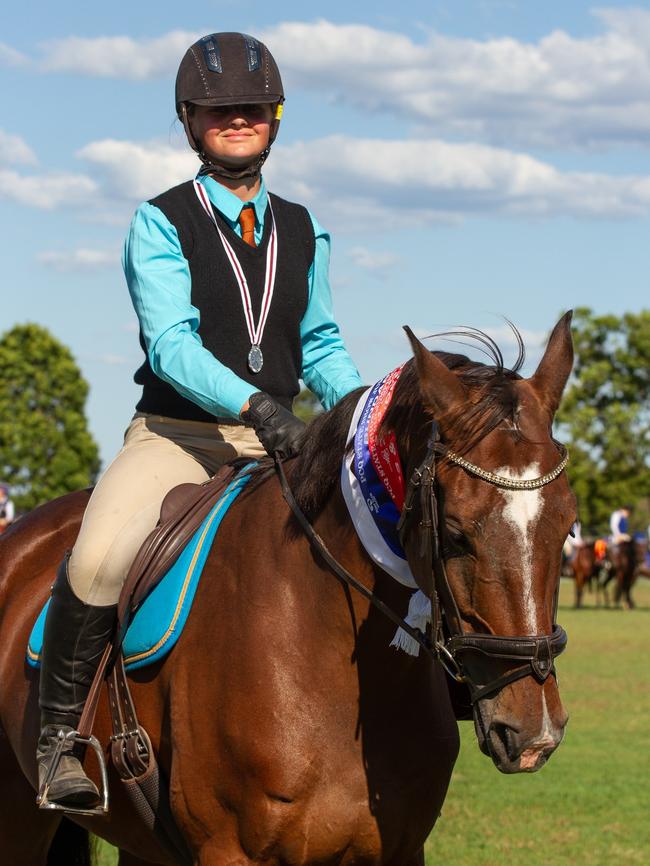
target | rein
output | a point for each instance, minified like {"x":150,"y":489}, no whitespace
{"x":341,"y":572}
{"x":447,"y":642}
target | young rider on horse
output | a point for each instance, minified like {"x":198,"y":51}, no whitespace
{"x":230,"y":285}
{"x":619,"y":525}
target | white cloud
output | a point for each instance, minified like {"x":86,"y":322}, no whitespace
{"x":374,"y":261}
{"x":556,"y":92}
{"x":136,"y":171}
{"x":10,"y":57}
{"x":118,"y":56}
{"x":81,"y":259}
{"x":46,"y":191}
{"x":351,"y":182}
{"x":429,"y":181}
{"x":559,"y":91}
{"x":13,"y":149}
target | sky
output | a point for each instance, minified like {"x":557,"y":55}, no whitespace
{"x":473,"y":161}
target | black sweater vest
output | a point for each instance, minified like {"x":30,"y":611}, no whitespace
{"x":216,"y":295}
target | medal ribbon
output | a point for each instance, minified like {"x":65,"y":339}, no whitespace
{"x":376,"y":464}
{"x":254,"y":333}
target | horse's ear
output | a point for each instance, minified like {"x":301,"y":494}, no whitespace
{"x":439,"y":387}
{"x":555,"y":367}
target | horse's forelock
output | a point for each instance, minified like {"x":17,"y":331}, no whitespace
{"x":492,"y":398}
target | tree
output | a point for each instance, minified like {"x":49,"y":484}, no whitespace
{"x":606,"y":414}
{"x":46,"y":449}
{"x":306,"y":405}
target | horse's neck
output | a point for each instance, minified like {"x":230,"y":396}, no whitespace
{"x":335,"y":527}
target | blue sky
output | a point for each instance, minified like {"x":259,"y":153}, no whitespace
{"x":471,"y":160}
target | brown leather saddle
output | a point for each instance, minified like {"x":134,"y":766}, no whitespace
{"x":182,"y":512}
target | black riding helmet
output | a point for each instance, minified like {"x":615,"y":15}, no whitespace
{"x":228,"y":69}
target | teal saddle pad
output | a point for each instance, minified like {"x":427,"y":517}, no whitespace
{"x":159,"y":621}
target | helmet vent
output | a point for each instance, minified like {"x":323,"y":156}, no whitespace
{"x":253,"y":53}
{"x":211,"y":54}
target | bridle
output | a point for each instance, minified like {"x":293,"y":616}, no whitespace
{"x":530,"y":654}
{"x":445,"y":641}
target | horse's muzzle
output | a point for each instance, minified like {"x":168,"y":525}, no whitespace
{"x":515,"y":747}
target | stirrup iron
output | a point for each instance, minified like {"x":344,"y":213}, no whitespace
{"x":64,"y":740}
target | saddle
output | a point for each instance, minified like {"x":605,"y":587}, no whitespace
{"x":182,"y":512}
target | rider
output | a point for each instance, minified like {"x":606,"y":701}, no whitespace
{"x":7,"y":511}
{"x":230,"y":286}
{"x":619,"y":525}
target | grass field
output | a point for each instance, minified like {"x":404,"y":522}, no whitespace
{"x":590,"y":805}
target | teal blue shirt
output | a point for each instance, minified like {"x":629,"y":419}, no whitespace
{"x":159,"y":281}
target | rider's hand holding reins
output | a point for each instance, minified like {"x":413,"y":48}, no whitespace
{"x":277,"y":429}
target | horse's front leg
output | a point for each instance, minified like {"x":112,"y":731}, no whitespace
{"x":578,"y":597}
{"x":416,"y":860}
{"x":627,"y":592}
{"x":25,"y":831}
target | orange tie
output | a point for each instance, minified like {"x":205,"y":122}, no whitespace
{"x":247,"y":223}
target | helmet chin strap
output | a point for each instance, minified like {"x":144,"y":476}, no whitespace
{"x":252,"y":170}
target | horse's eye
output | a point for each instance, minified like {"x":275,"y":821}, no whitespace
{"x":456,"y":543}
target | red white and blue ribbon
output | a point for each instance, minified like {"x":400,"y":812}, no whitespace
{"x":254,"y":332}
{"x":373,"y":484}
{"x":373,"y":488}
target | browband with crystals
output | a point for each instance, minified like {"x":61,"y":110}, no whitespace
{"x":508,"y":483}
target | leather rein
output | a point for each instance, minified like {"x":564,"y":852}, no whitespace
{"x":445,"y":641}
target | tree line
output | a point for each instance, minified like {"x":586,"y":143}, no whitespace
{"x":47,"y":450}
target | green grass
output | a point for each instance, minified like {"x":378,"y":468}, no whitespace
{"x":590,"y":805}
{"x":103,"y":853}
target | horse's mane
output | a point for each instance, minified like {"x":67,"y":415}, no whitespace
{"x":493,"y":400}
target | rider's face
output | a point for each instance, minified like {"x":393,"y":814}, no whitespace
{"x":232,"y":134}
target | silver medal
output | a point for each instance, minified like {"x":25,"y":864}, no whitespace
{"x":255,"y":332}
{"x":255,"y":359}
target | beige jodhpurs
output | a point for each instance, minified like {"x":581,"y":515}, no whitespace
{"x":158,"y":454}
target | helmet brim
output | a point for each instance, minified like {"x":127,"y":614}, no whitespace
{"x":270,"y":98}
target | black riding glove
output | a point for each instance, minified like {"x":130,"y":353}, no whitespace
{"x":276,"y":428}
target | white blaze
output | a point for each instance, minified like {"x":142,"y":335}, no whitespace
{"x":522,"y":511}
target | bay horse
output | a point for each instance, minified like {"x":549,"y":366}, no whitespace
{"x":584,"y":568}
{"x":288,"y":730}
{"x":625,"y":558}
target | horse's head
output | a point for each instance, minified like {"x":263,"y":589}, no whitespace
{"x":500,"y":542}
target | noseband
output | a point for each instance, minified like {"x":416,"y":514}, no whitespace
{"x":530,"y":654}
{"x":447,"y":642}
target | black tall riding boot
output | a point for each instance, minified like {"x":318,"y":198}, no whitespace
{"x":75,"y":637}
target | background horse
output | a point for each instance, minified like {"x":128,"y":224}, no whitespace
{"x":584,"y":568}
{"x":288,"y":729}
{"x":623,"y":559}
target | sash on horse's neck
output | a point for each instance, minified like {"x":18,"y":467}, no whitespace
{"x":373,"y":487}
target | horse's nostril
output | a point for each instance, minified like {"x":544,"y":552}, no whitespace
{"x":507,"y":739}
{"x":498,"y":738}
